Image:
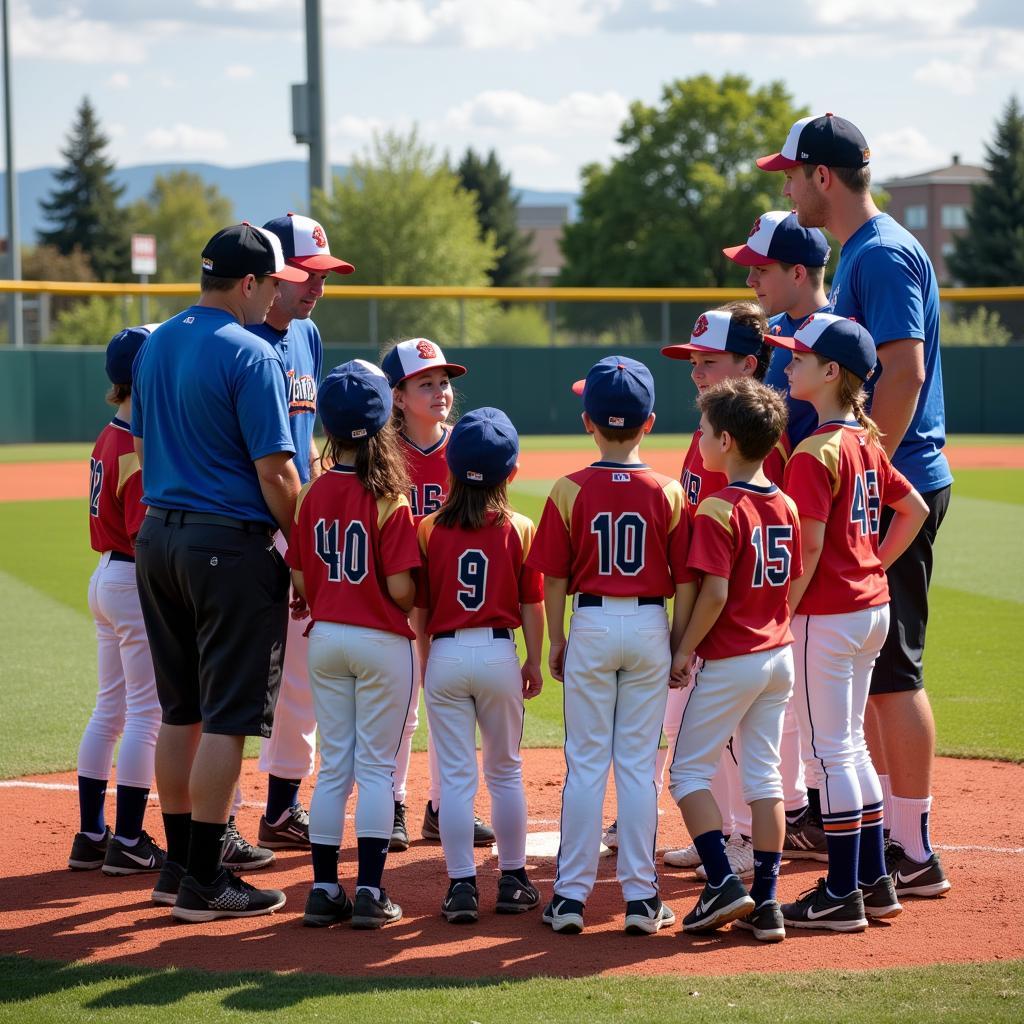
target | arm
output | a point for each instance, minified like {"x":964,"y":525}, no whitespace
{"x":418,"y":620}
{"x":299,"y":583}
{"x":533,"y":635}
{"x":686,"y":596}
{"x":898,"y":389}
{"x":812,"y":540}
{"x":910,"y":514}
{"x":714,"y":592}
{"x":555,"y":591}
{"x":402,"y":589}
{"x":137,"y":441}
{"x":279,"y":482}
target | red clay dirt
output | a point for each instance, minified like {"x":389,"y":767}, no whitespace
{"x":50,"y":912}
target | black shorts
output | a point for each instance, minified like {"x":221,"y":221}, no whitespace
{"x":899,"y":667}
{"x":215,"y":603}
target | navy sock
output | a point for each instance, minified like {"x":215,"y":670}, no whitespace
{"x":177,"y":830}
{"x":711,"y":847}
{"x":871,"y":865}
{"x":519,"y":875}
{"x":325,"y":863}
{"x":926,"y":838}
{"x":372,"y":855}
{"x":766,"y":876}
{"x":131,"y":809}
{"x":469,"y":878}
{"x":91,"y":794}
{"x":281,"y":795}
{"x":814,"y":805}
{"x":205,"y":847}
{"x":842,"y":834}
{"x":792,"y":817}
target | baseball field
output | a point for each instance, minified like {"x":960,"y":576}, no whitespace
{"x":80,"y":946}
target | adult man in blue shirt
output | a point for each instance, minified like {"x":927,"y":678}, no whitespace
{"x":886,"y":282}
{"x":210,"y":419}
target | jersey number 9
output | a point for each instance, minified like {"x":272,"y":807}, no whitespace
{"x":348,"y":562}
{"x":472,"y":579}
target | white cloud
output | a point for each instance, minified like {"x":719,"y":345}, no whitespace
{"x":951,"y":76}
{"x":352,"y":129}
{"x":238,"y":71}
{"x":504,"y":111}
{"x":522,"y":24}
{"x":185,"y":138}
{"x":362,"y":23}
{"x":903,"y":151}
{"x":933,"y":16}
{"x":529,"y":156}
{"x":72,"y":38}
{"x":119,"y":80}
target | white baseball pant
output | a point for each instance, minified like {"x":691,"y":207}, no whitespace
{"x":834,"y":658}
{"x":362,"y":682}
{"x":405,"y":754}
{"x":616,"y":684}
{"x":475,"y":678}
{"x":127,"y":706}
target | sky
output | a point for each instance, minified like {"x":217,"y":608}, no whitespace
{"x":544,"y":82}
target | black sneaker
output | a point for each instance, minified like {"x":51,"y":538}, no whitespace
{"x":431,"y":828}
{"x":370,"y":913}
{"x":88,"y":854}
{"x":818,"y":908}
{"x":226,"y":896}
{"x":646,"y":917}
{"x":483,"y":835}
{"x":880,"y":901}
{"x":290,"y":834}
{"x":462,"y":904}
{"x":914,"y":878}
{"x":515,"y":897}
{"x":717,"y":907}
{"x":765,"y":922}
{"x":399,"y":831}
{"x":322,"y":909}
{"x":564,"y":915}
{"x":166,"y":889}
{"x":144,"y":856}
{"x":240,"y":854}
{"x":805,"y":840}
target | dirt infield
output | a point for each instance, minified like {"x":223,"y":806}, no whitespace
{"x":50,"y":912}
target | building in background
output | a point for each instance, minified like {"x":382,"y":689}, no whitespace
{"x":934,"y":206}
{"x":545,"y":224}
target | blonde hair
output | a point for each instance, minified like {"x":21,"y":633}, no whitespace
{"x":852,"y":393}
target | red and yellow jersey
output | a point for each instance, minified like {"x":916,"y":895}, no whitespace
{"x":698,"y":481}
{"x":476,"y":577}
{"x":346,"y":543}
{"x":750,"y":536}
{"x":115,"y":490}
{"x":614,"y":529}
{"x":839,"y":477}
{"x":428,"y":475}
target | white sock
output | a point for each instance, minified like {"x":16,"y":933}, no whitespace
{"x":375,"y":893}
{"x":127,"y":842}
{"x":331,"y":888}
{"x":94,"y":836}
{"x":886,"y":801}
{"x":910,"y":826}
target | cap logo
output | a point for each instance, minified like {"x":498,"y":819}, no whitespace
{"x":361,"y":432}
{"x":207,"y":264}
{"x":472,"y":474}
{"x":701,"y":326}
{"x":757,"y":227}
{"x":426,"y":350}
{"x":777,"y":329}
{"x":806,"y":322}
{"x":867,"y":153}
{"x":616,"y":421}
{"x":319,"y":238}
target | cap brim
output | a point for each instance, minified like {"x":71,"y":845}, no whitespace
{"x":781,"y":341}
{"x":578,"y":386}
{"x":745,"y":256}
{"x":321,"y":263}
{"x":454,"y":370}
{"x":684,"y":351}
{"x":776,"y":162}
{"x":292,"y":274}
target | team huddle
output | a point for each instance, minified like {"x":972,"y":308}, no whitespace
{"x":251,"y":584}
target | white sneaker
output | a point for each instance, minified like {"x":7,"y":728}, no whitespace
{"x":687,"y":857}
{"x":740,"y":853}
{"x":611,"y":835}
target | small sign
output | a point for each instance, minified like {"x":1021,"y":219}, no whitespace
{"x":143,"y":254}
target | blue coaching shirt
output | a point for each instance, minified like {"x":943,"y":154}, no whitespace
{"x":302,"y":354}
{"x":886,"y":282}
{"x":803,"y":417}
{"x":208,"y":398}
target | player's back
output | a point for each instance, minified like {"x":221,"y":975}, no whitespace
{"x":115,"y":489}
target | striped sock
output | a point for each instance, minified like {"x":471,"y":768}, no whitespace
{"x":842,"y":833}
{"x":871,"y":865}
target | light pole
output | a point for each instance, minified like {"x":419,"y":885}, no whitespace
{"x":17,"y":337}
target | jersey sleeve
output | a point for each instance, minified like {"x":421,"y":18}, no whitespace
{"x":551,"y":551}
{"x":399,"y":548}
{"x":775,"y":462}
{"x":714,"y":541}
{"x":889,"y":286}
{"x":679,"y":530}
{"x":531,"y":581}
{"x":261,"y":401}
{"x":796,"y":560}
{"x":811,"y":485}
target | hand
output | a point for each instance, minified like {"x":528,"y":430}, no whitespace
{"x":556,"y":659}
{"x":298,"y":606}
{"x":533,"y":681}
{"x":679,"y":674}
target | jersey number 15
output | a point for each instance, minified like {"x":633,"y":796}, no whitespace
{"x":772,"y":554}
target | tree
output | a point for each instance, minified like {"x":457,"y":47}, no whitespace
{"x":685,"y":186}
{"x":496,"y":212}
{"x":991,"y":250}
{"x":47,"y":263}
{"x":83,"y":208}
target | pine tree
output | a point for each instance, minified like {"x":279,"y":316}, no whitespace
{"x":496,"y":212}
{"x":991,"y":250}
{"x":83,"y":207}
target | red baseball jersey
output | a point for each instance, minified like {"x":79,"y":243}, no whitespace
{"x":614,"y":529}
{"x":750,"y":536}
{"x":428,"y":474}
{"x":839,"y":477}
{"x":476,"y":577}
{"x":115,"y":490}
{"x":346,"y":543}
{"x":697,"y":480}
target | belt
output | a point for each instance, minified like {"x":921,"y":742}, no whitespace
{"x":497,"y":632}
{"x":120,"y":556}
{"x":178,"y":517}
{"x":597,"y":601}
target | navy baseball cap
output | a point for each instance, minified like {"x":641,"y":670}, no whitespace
{"x":414,"y":356}
{"x":354,"y":400}
{"x":122,"y":350}
{"x":617,"y":392}
{"x":835,"y":338}
{"x":304,"y":244}
{"x":483,"y":448}
{"x":717,"y":331}
{"x":244,"y":249}
{"x":831,"y":141}
{"x":778,"y":237}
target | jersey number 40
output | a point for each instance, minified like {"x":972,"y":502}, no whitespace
{"x":620,"y":543}
{"x":349,"y":561}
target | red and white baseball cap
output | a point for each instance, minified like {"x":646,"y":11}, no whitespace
{"x":414,"y":356}
{"x":304,"y":243}
{"x":778,"y":237}
{"x":717,"y":331}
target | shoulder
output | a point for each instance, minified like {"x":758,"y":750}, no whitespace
{"x":388,"y":506}
{"x":718,"y":508}
{"x":522,"y":526}
{"x":304,"y":493}
{"x":823,"y":445}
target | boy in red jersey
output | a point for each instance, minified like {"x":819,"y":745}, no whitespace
{"x":746,"y":542}
{"x":615,"y":535}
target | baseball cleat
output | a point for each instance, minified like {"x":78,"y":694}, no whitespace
{"x":818,"y":908}
{"x":717,"y":907}
{"x":323,"y":909}
{"x":515,"y":897}
{"x":368,"y":912}
{"x":805,"y":840}
{"x":880,"y":900}
{"x":461,"y":904}
{"x":687,"y":857}
{"x":483,"y":835}
{"x":399,"y":831}
{"x":167,"y":884}
{"x":144,"y":856}
{"x":226,"y":896}
{"x":647,"y":917}
{"x":564,"y":916}
{"x":240,"y":855}
{"x":88,"y":854}
{"x":290,"y":833}
{"x":765,"y":922}
{"x":914,"y":878}
{"x":739,"y":851}
{"x":611,"y":835}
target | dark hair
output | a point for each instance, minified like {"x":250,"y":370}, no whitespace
{"x":618,"y":435}
{"x":753,"y":414}
{"x":816,"y":275}
{"x":212,"y":283}
{"x":856,"y":179}
{"x":468,"y":508}
{"x":118,"y":393}
{"x":380,"y":464}
{"x":750,"y":314}
{"x":852,"y":394}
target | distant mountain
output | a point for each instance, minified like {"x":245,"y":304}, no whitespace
{"x":258,"y":192}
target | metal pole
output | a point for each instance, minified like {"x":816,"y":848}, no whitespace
{"x":666,"y":324}
{"x":144,"y":301}
{"x":17,"y":336}
{"x":319,"y":172}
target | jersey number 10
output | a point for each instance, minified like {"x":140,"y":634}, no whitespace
{"x":350,"y":560}
{"x":619,"y":543}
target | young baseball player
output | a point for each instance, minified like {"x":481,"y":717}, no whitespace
{"x":614,"y":535}
{"x":423,"y":401}
{"x":840,"y":479}
{"x":352,"y":551}
{"x":474,"y":591}
{"x":127,"y":707}
{"x":746,"y":543}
